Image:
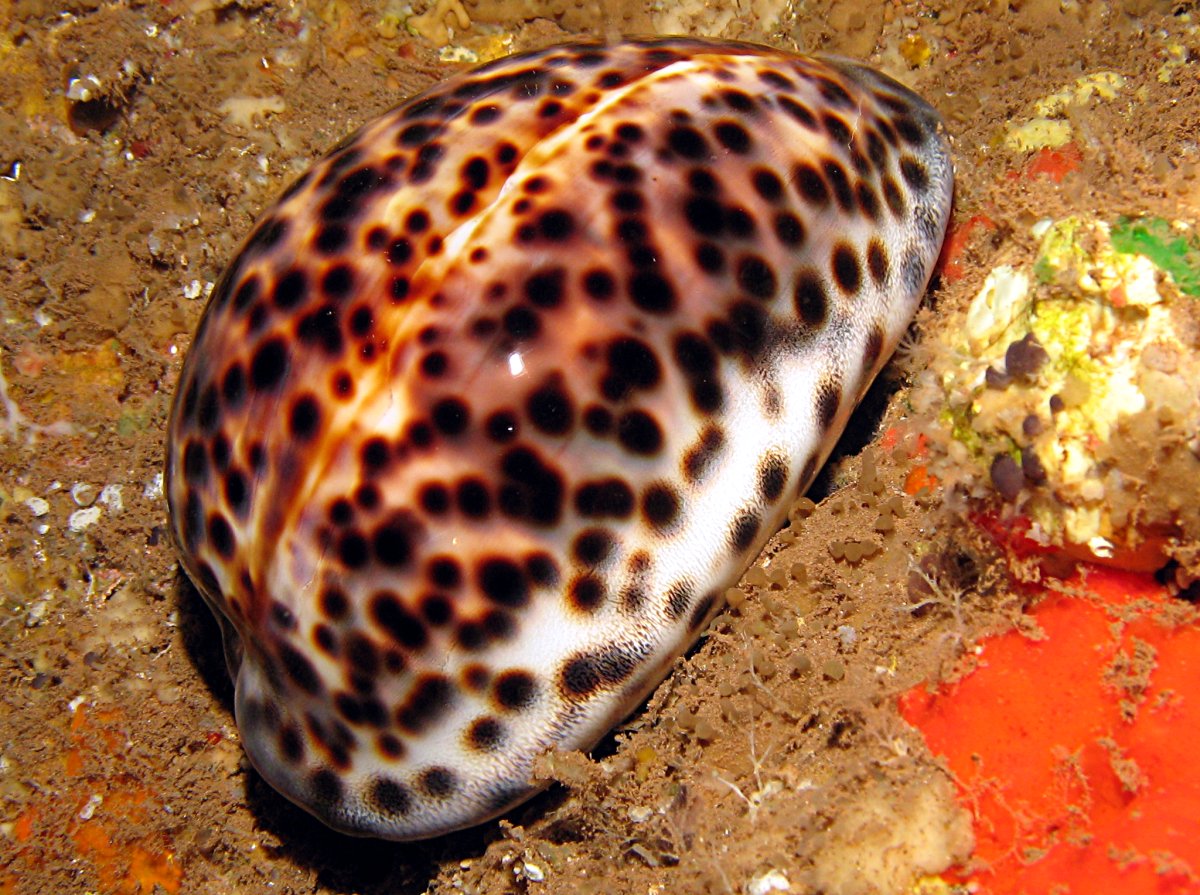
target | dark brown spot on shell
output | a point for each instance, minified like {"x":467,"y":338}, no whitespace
{"x":789,"y":230}
{"x":829,"y":397}
{"x":502,"y":581}
{"x":810,"y":184}
{"x":733,"y":137}
{"x":604,"y":497}
{"x":389,"y":797}
{"x":744,"y":531}
{"x":799,"y":112}
{"x":401,"y":625}
{"x":326,"y":787}
{"x":877,"y":261}
{"x":430,"y":699}
{"x":679,"y":598}
{"x":639,"y":433}
{"x":767,"y":184}
{"x":772,"y":476}
{"x":550,"y":409}
{"x":836,"y":175}
{"x":846,"y":270}
{"x":299,"y":669}
{"x":874,"y":348}
{"x":586,"y":593}
{"x":701,"y":612}
{"x":514,"y":690}
{"x":699,"y":458}
{"x":660,"y":506}
{"x":437,"y":782}
{"x":893,"y":197}
{"x":592,"y":546}
{"x":810,"y":298}
{"x":269,"y":365}
{"x":486,"y":734}
{"x":756,"y":277}
{"x":588,"y":673}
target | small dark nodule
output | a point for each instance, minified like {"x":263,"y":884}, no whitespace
{"x":1032,"y":467}
{"x":1025,"y":357}
{"x":1007,"y":476}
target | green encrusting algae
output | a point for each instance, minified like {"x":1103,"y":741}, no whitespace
{"x":1177,"y":254}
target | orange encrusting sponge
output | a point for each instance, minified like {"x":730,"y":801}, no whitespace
{"x":1076,"y":749}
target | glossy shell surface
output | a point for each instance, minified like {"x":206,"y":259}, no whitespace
{"x":503,"y":393}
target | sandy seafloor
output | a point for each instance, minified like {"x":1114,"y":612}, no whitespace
{"x":138,"y":142}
